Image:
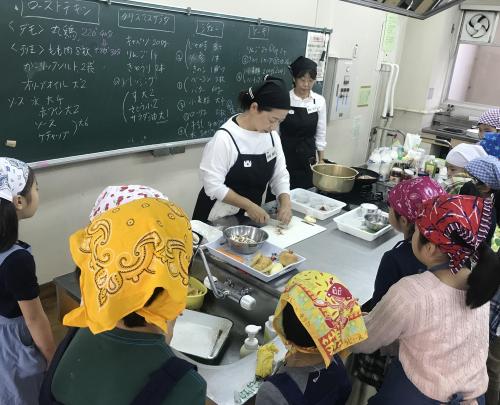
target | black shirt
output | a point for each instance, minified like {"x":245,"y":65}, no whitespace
{"x":18,"y":281}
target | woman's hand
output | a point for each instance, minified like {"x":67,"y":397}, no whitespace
{"x":285,"y":214}
{"x":257,"y":214}
{"x":284,"y":209}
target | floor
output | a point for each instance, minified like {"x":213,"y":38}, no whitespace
{"x":49,"y":302}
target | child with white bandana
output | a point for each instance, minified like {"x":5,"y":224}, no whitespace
{"x":26,"y":341}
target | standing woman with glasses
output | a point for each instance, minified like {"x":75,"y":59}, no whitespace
{"x":303,"y":132}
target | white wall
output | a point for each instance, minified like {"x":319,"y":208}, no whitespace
{"x":68,"y":192}
{"x":484,"y":86}
{"x":462,"y":72}
{"x":355,"y":25}
{"x":428,"y":50}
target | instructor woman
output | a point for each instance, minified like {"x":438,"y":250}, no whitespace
{"x":244,"y":156}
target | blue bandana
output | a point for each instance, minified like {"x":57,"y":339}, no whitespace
{"x":491,"y":144}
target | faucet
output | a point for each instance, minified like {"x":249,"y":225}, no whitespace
{"x":227,"y":289}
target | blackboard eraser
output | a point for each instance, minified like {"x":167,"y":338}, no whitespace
{"x":172,"y":150}
{"x":10,"y":143}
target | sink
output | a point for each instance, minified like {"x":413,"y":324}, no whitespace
{"x":230,"y":309}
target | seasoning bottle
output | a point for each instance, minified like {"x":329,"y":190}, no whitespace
{"x":396,"y":175}
{"x":269,"y":332}
{"x":430,"y":167}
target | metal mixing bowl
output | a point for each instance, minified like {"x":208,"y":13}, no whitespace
{"x":375,"y":222}
{"x":256,"y":234}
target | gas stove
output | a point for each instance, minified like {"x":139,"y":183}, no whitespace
{"x":358,"y":196}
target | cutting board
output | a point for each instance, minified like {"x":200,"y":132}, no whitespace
{"x":297,"y":231}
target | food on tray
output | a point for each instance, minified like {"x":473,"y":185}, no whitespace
{"x":287,"y":257}
{"x":310,"y":219}
{"x":275,"y":268}
{"x":261,"y":263}
{"x":266,"y":264}
{"x":242,"y":239}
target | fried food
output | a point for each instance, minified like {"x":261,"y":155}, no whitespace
{"x":287,"y":257}
{"x":261,"y":263}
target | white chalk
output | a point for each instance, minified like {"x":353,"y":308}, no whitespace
{"x":10,"y":143}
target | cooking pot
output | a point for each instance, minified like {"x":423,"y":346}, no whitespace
{"x":333,"y":178}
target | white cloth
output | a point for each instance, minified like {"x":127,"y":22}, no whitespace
{"x":220,"y":154}
{"x":318,"y":101}
{"x":113,"y":196}
{"x":13,"y":177}
{"x":463,"y":153}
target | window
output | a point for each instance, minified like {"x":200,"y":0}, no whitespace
{"x":476,"y":74}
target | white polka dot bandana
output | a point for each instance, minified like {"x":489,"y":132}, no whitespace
{"x":13,"y":177}
{"x":113,"y":196}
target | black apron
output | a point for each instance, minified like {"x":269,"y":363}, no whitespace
{"x":248,"y":177}
{"x":298,"y":133}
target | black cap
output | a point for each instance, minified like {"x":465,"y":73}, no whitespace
{"x":272,"y":93}
{"x":302,"y":64}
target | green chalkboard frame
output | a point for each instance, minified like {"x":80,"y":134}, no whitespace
{"x":161,"y":147}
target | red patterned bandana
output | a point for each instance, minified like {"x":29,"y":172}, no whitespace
{"x":467,"y":216}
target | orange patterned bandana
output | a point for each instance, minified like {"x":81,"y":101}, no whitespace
{"x":327,"y":310}
{"x":124,"y":254}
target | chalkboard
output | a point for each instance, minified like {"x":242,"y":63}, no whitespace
{"x":84,"y":78}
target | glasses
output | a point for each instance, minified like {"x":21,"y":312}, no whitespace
{"x":476,"y":181}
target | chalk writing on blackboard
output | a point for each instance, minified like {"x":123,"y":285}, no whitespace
{"x":86,"y":77}
{"x":80,"y":11}
{"x":258,"y":32}
{"x":146,"y":20}
{"x":213,"y":29}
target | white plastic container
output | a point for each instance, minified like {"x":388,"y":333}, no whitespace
{"x":208,"y":232}
{"x":251,"y":343}
{"x":353,"y":223}
{"x":316,"y":205}
{"x":201,"y":335}
{"x":269,"y":332}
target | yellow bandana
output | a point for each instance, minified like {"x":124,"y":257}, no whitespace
{"x":124,"y":254}
{"x":326,"y":309}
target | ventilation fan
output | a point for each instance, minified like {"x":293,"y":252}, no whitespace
{"x":479,"y":26}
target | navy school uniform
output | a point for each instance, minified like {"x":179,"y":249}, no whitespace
{"x":396,"y":263}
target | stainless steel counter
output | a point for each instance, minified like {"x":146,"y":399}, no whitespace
{"x":451,"y":128}
{"x":449,"y":135}
{"x":352,"y":260}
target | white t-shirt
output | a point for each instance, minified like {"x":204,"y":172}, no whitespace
{"x":318,"y":101}
{"x":220,"y":154}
